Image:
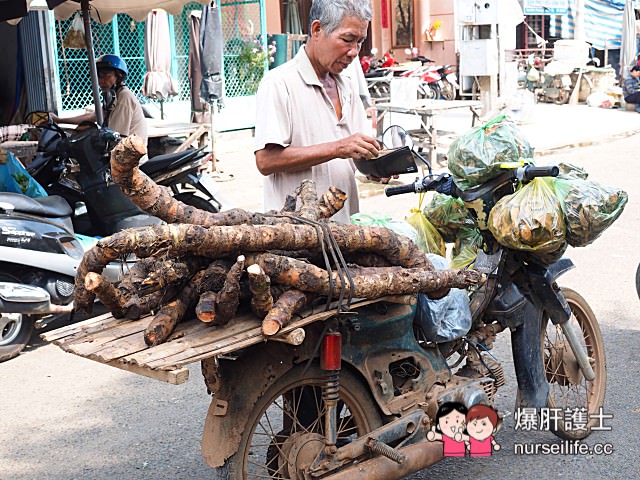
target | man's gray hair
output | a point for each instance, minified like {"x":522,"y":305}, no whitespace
{"x":331,"y":12}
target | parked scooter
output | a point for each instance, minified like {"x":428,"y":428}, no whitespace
{"x":356,"y":399}
{"x":76,"y":167}
{"x":551,"y":83}
{"x":378,"y":75}
{"x":39,"y":254}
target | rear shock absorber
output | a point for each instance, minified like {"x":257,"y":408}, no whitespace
{"x":330,"y":362}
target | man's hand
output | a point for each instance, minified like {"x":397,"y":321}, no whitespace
{"x":357,"y":146}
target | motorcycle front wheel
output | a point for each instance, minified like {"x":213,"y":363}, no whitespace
{"x":286,"y":428}
{"x":570,"y":394}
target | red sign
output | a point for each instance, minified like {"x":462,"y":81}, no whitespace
{"x":384,"y":13}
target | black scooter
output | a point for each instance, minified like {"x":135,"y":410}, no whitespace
{"x":75,"y":166}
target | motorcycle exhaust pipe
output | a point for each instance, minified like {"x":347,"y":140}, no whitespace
{"x":29,"y":300}
{"x":416,"y":457}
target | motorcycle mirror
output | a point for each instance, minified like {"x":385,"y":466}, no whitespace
{"x":396,"y":137}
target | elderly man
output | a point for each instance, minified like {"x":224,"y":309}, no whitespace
{"x":309,"y":119}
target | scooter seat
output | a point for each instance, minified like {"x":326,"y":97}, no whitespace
{"x":53,"y":206}
{"x":168,"y":161}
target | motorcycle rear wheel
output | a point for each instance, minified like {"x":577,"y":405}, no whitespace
{"x":289,"y":417}
{"x":568,"y":389}
{"x":15,"y":328}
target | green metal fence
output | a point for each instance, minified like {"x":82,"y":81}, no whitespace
{"x":244,"y":32}
{"x":123,"y":36}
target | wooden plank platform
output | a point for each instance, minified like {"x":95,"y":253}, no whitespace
{"x":120,"y":342}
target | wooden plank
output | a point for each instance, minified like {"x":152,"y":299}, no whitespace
{"x":80,"y":327}
{"x":203,"y":338}
{"x":92,"y":344}
{"x":174,"y":377}
{"x":237,"y":342}
{"x":201,"y":130}
{"x":135,"y":343}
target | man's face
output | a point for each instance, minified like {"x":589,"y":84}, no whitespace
{"x":107,"y":78}
{"x":635,"y":73}
{"x":339,"y":48}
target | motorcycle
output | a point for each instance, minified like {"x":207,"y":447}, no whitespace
{"x":551,"y":84}
{"x":39,"y":255}
{"x":75,"y":166}
{"x":377,"y":74}
{"x":356,"y":400}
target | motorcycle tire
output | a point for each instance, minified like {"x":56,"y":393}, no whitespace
{"x":567,"y":386}
{"x":562,"y":97}
{"x":638,"y":281}
{"x":193,"y":200}
{"x":448,"y":92}
{"x":15,"y":328}
{"x":266,"y":415}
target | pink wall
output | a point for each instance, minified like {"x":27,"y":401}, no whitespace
{"x":425,"y":13}
{"x":272,"y":8}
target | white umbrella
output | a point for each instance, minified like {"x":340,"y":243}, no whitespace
{"x":103,"y":11}
{"x":628,"y":46}
{"x":158,"y":82}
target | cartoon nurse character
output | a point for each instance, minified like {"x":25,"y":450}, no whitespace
{"x":449,"y":428}
{"x":482,"y":424}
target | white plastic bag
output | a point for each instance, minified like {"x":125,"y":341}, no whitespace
{"x":75,"y":35}
{"x":447,"y":318}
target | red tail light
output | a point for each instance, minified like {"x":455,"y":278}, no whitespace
{"x":331,"y":351}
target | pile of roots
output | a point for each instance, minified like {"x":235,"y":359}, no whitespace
{"x":274,"y":263}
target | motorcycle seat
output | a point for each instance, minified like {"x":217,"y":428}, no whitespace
{"x":53,"y":206}
{"x":168,"y":161}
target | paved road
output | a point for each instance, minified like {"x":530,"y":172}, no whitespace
{"x":68,"y":418}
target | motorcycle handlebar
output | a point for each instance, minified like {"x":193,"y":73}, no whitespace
{"x":532,"y":172}
{"x":400,"y":189}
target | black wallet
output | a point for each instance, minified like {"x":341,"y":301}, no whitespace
{"x":394,"y":162}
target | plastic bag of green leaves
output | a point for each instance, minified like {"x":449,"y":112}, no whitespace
{"x":465,"y":250}
{"x":15,"y":178}
{"x":589,"y":208}
{"x":449,"y":216}
{"x":429,"y":240}
{"x":401,"y":227}
{"x":531,"y":219}
{"x":475,"y":156}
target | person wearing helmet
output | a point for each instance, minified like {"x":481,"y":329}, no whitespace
{"x":122,"y":111}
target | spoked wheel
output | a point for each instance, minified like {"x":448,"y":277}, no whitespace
{"x":448,"y":92}
{"x":287,"y":426}
{"x":568,"y":388}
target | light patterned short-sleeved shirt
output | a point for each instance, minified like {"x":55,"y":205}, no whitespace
{"x":293,"y":109}
{"x":127,"y":117}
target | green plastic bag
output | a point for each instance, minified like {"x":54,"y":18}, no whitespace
{"x":465,"y":249}
{"x":429,"y":240}
{"x":449,"y":216}
{"x":400,"y":227}
{"x":15,"y":179}
{"x":531,"y":219}
{"x":475,"y":157}
{"x":589,"y":208}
